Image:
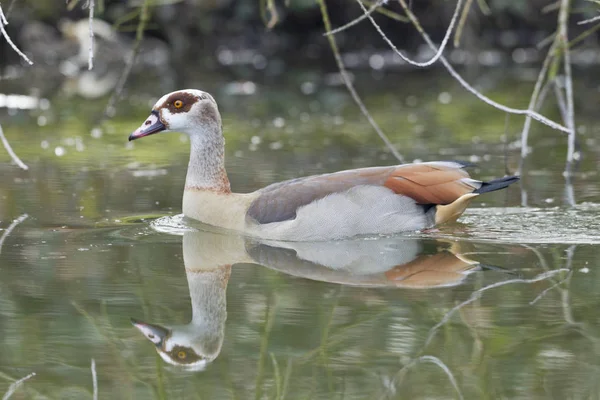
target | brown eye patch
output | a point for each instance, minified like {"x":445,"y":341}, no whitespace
{"x":180,"y":102}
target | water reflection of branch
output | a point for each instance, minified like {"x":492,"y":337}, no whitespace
{"x":468,"y":87}
{"x":3,"y":23}
{"x":543,"y":293}
{"x":15,"y":385}
{"x":432,"y":359}
{"x":564,"y":292}
{"x":94,"y":379}
{"x":477,"y":294}
{"x":9,"y":149}
{"x":438,"y":52}
{"x":350,"y":86}
{"x":12,"y":226}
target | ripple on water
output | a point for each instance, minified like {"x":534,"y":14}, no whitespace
{"x":171,"y":224}
{"x":577,"y":225}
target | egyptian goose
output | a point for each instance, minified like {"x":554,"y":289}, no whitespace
{"x":366,"y":201}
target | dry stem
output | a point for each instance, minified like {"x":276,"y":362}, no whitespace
{"x":3,"y":23}
{"x":350,"y":86}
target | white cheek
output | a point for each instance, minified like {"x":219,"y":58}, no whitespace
{"x":176,"y":121}
{"x":168,"y":345}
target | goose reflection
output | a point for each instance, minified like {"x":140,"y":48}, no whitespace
{"x":208,"y":258}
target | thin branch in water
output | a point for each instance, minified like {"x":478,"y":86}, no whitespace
{"x":15,"y":385}
{"x":350,"y":86}
{"x":3,"y":23}
{"x":477,"y":294}
{"x":91,"y":23}
{"x":355,"y":21}
{"x":94,"y":379}
{"x":12,"y":226}
{"x":116,"y":95}
{"x":10,"y":151}
{"x":438,"y":52}
{"x":468,"y":87}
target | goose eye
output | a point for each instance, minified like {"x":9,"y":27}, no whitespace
{"x":181,"y":355}
{"x":178,"y":103}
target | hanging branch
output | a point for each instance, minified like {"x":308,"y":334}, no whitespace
{"x":468,"y":87}
{"x":535,"y":103}
{"x":438,"y":52}
{"x":91,"y":23}
{"x":10,"y":151}
{"x":3,"y":23}
{"x":350,"y":86}
{"x":563,"y":37}
{"x":355,"y":21}
{"x":139,"y":36}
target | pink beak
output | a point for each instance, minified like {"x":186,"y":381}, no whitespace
{"x":150,"y":126}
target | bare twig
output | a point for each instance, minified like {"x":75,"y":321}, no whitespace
{"x":438,"y":52}
{"x":350,"y":86}
{"x":477,"y":294}
{"x":10,"y":7}
{"x":468,"y":87}
{"x":15,"y":385}
{"x":116,"y":95}
{"x":12,"y":226}
{"x":94,"y":379}
{"x":91,"y":22}
{"x":10,"y":151}
{"x":534,"y":104}
{"x":563,"y":37}
{"x":355,"y":21}
{"x":374,"y":6}
{"x":560,"y":99}
{"x":462,"y":22}
{"x":3,"y":23}
{"x":589,"y":21}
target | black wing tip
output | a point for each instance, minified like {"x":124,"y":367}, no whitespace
{"x":497,"y":184}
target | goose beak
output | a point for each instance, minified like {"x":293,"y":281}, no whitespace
{"x":150,"y":126}
{"x":154,"y":333}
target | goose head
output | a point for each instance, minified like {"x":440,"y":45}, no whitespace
{"x":189,"y":111}
{"x":184,"y":346}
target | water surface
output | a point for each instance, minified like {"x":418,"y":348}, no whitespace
{"x":502,"y":304}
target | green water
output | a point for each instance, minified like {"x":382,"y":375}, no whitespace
{"x":502,"y":304}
